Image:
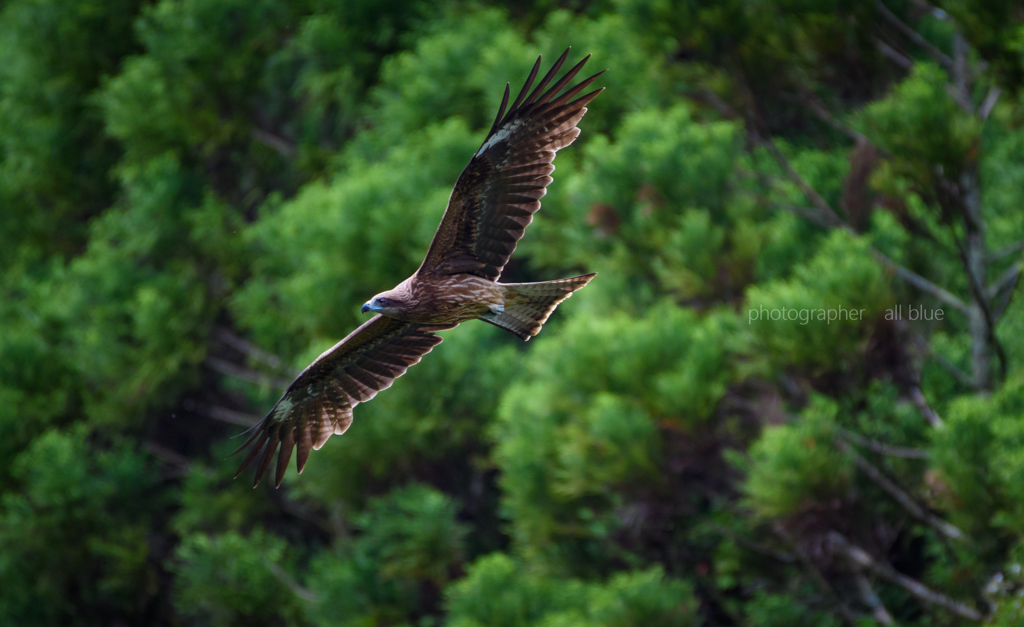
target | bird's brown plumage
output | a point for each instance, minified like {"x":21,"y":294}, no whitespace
{"x":493,"y":202}
{"x":499,"y":191}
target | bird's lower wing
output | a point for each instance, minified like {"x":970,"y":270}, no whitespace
{"x":318,"y":404}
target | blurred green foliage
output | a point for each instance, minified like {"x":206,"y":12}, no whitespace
{"x":196,"y":196}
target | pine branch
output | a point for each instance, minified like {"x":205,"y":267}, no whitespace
{"x":920,"y":282}
{"x":929,"y":350}
{"x":823,"y":114}
{"x":915,"y":37}
{"x":845,"y":613}
{"x":881,"y":448}
{"x":965,"y":196}
{"x":828,"y":218}
{"x":862,"y":558}
{"x":905,"y":500}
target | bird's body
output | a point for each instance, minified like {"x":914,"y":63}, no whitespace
{"x":444,"y":299}
{"x":492,"y":204}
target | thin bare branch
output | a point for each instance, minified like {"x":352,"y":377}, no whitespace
{"x":1000,"y":307}
{"x":982,"y":325}
{"x":720,"y":105}
{"x":935,"y":11}
{"x":283,"y":146}
{"x":901,"y":497}
{"x":248,"y":348}
{"x":300,"y":510}
{"x":862,"y":558}
{"x":226,"y":367}
{"x":302,"y":592}
{"x":882,"y":448}
{"x":868,"y":596}
{"x":917,"y":397}
{"x":915,"y":37}
{"x":845,"y":613}
{"x":1005,"y":251}
{"x":1005,"y":280}
{"x":168,"y":456}
{"x":811,"y":215}
{"x":823,"y":114}
{"x":820,"y":204}
{"x":893,"y":55}
{"x":748,"y":544}
{"x":826,"y":220}
{"x":222,"y":414}
{"x":961,"y":80}
{"x":920,"y":282}
{"x":989,"y":103}
{"x":962,"y":377}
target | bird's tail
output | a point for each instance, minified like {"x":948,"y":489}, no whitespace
{"x":528,"y":305}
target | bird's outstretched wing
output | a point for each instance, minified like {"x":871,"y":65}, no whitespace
{"x":499,"y":191}
{"x":318,"y":404}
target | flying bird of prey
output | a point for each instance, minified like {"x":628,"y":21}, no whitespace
{"x":493,"y":202}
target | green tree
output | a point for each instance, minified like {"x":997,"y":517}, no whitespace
{"x":196,"y":196}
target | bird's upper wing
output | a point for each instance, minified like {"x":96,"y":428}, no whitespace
{"x":319,"y":402}
{"x":499,"y":191}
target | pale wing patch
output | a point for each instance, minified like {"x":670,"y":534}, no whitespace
{"x":500,"y":136}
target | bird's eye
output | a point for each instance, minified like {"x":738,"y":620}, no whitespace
{"x":382,"y":302}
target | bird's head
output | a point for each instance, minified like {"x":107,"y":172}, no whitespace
{"x":387,"y":303}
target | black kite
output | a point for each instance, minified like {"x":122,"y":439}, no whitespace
{"x":492,"y":204}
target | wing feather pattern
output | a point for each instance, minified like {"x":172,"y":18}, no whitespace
{"x":318,"y":404}
{"x":499,"y":191}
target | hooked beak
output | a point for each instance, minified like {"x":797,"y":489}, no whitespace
{"x":368,"y":307}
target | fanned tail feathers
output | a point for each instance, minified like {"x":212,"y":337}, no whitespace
{"x":528,"y":305}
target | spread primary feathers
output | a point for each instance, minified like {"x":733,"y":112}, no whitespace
{"x":493,"y":202}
